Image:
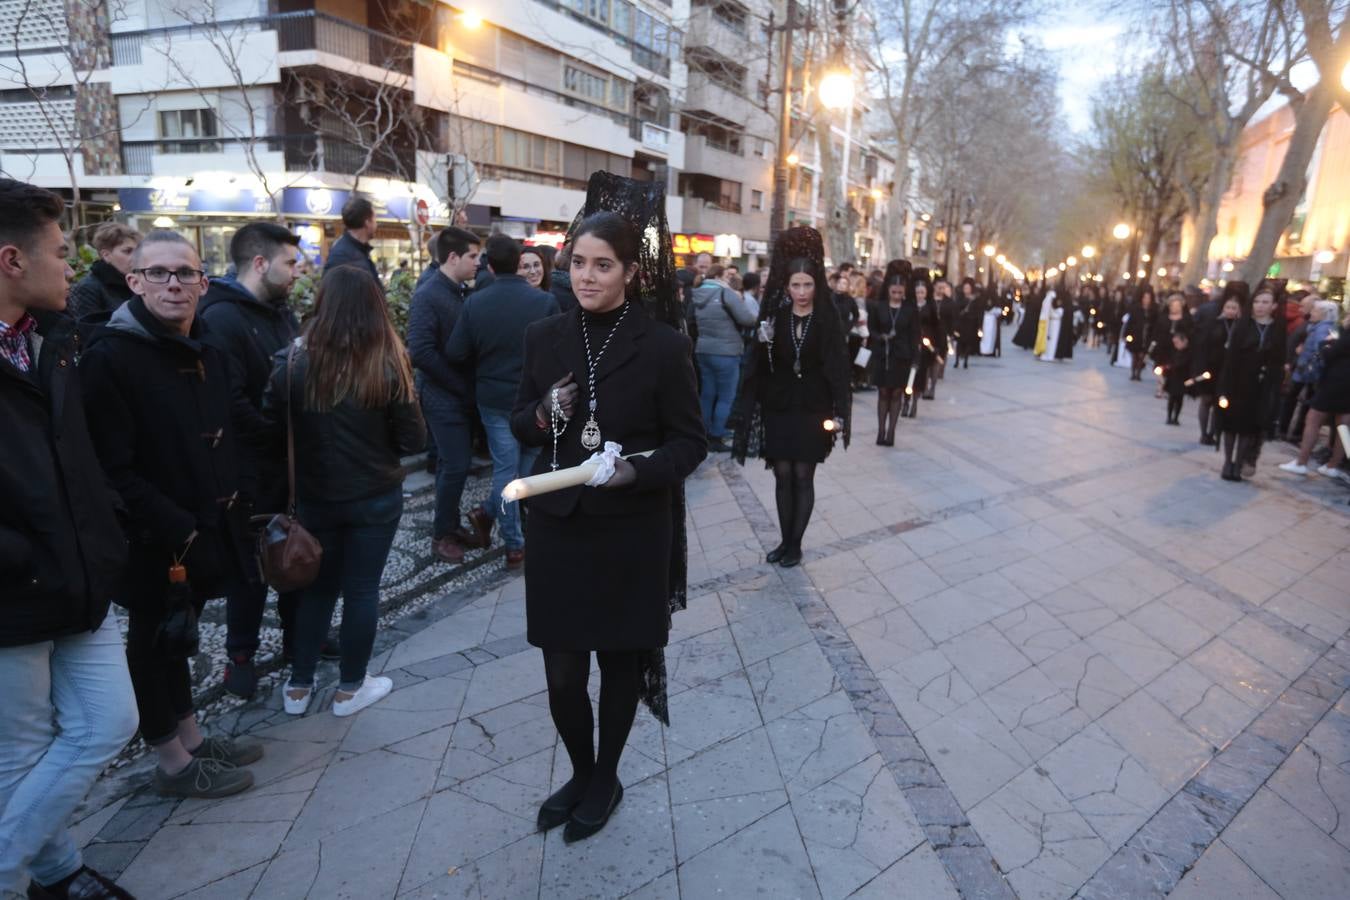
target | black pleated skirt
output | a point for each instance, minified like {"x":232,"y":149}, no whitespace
{"x":796,"y":436}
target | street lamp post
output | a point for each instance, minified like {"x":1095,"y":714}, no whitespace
{"x":778,"y":216}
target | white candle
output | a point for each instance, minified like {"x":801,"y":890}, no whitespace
{"x":909,"y":388}
{"x":1344,"y":432}
{"x":561,"y":480}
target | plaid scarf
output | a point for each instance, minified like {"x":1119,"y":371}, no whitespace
{"x":14,"y":342}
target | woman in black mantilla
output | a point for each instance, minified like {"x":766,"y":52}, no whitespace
{"x":1249,"y":384}
{"x":891,"y":327}
{"x":931,"y":342}
{"x":798,"y":381}
{"x":606,"y":563}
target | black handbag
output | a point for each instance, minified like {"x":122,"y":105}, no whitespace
{"x":177,"y":635}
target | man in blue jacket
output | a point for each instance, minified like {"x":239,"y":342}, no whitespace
{"x":68,"y":706}
{"x":353,"y":248}
{"x":250,"y":319}
{"x":446,"y":388}
{"x":490,"y":337}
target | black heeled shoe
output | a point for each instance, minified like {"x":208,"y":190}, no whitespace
{"x":579,"y":829}
{"x":776,"y":554}
{"x":557,"y":809}
{"x":791,"y":558}
{"x":1229,"y":472}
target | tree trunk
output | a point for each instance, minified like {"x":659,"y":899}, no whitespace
{"x":1282,"y":197}
{"x":1207,"y":216}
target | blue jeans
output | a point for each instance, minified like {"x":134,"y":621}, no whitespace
{"x":452,"y":432}
{"x":66,"y":710}
{"x":509,"y":462}
{"x":356,"y":537}
{"x":720,"y":375}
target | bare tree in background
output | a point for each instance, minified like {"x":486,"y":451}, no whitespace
{"x":77,"y":112}
{"x":1229,"y":57}
{"x":1324,"y":27}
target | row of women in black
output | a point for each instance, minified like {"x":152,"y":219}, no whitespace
{"x":907,"y":339}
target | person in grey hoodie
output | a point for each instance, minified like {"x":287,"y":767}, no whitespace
{"x":720,"y":314}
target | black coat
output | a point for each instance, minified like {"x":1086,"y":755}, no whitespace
{"x":167,"y":423}
{"x":622,"y":544}
{"x":489,"y":335}
{"x":346,"y":453}
{"x":1207,"y":354}
{"x":1333,"y":388}
{"x":1140,"y":330}
{"x":1253,"y":369}
{"x":348,"y":251}
{"x":436,"y":306}
{"x":99,"y":293}
{"x":61,"y":547}
{"x":967,"y":322}
{"x":892,"y":353}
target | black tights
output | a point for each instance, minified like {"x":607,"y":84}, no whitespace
{"x":889,"y":403}
{"x":1240,"y":449}
{"x":795,"y":493}
{"x":594,"y":775}
{"x":1206,"y":414}
{"x":1174,"y":407}
{"x":1136,"y":364}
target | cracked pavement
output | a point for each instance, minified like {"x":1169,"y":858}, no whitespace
{"x":1036,"y":650}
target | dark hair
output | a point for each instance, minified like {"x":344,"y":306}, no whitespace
{"x":502,"y":253}
{"x":544,"y":252}
{"x":259,"y":239}
{"x":354,"y":352}
{"x":453,"y":240}
{"x":614,"y":230}
{"x":802,"y":265}
{"x":24,"y":209}
{"x":356,"y":212}
{"x":750,"y":281}
{"x":111,"y":235}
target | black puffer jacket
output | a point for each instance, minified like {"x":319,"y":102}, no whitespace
{"x":347,"y":453}
{"x":164,"y":419}
{"x":99,"y":293}
{"x":61,"y":548}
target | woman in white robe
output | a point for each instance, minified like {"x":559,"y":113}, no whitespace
{"x":989,"y":326}
{"x":1053,"y":316}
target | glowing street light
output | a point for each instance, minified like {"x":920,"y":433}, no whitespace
{"x":989,"y":250}
{"x":836,"y":89}
{"x":471,"y":19}
{"x":1141,"y":274}
{"x":1001,"y":259}
{"x":1162,"y":271}
{"x":1089,"y":251}
{"x":1325,"y":257}
{"x":793,"y":159}
{"x":1345,"y":77}
{"x":876,"y":193}
{"x":1072,"y":261}
{"x":1121,"y":231}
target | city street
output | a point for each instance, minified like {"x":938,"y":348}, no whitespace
{"x":1038,"y":649}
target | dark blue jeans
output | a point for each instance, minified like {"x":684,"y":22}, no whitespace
{"x":452,"y":432}
{"x":356,"y":537}
{"x":720,"y":375}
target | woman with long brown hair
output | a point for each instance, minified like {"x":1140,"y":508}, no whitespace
{"x":346,"y":388}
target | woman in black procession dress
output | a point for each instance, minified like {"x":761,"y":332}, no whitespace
{"x":1211,"y":341}
{"x":1176,"y":318}
{"x":798,"y":382}
{"x":1249,"y":385}
{"x":599,"y":573}
{"x":891,"y":325}
{"x":932,"y":343}
{"x":1139,"y":330}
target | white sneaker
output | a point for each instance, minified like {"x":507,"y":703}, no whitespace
{"x":375,"y":688}
{"x":1293,"y":468}
{"x":296,"y":707}
{"x":1329,"y":472}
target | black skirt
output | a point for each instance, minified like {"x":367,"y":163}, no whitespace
{"x":888,"y":371}
{"x":796,"y":436}
{"x":598,"y":582}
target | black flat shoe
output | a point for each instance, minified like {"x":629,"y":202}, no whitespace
{"x":557,"y":809}
{"x":791,"y":558}
{"x":776,"y":554}
{"x":579,"y":829}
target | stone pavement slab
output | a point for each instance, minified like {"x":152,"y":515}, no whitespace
{"x":1037,"y":649}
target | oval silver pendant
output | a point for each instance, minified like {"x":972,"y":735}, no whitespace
{"x":590,"y":435}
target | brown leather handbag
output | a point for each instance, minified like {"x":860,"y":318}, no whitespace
{"x":288,"y":554}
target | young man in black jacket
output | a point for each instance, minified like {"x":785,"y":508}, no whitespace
{"x":163,"y":415}
{"x":248,"y":317}
{"x":490,"y":336}
{"x":68,"y":706}
{"x":353,"y":248}
{"x":446,"y":388}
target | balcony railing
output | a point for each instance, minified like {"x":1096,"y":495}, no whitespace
{"x":303,"y":153}
{"x":302,"y":30}
{"x":649,"y":135}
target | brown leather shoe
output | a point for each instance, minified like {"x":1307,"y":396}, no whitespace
{"x":447,"y":550}
{"x":467,"y":538}
{"x":482,"y":526}
{"x":515,"y":558}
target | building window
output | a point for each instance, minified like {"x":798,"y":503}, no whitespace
{"x":585,"y":84}
{"x":192,"y":125}
{"x":757,"y":200}
{"x":761,"y":148}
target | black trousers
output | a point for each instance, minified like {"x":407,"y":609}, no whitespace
{"x":163,"y":685}
{"x":243,"y":619}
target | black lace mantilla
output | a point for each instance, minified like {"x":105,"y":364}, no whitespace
{"x":643,"y":203}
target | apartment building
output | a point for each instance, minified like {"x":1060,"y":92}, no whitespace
{"x":203,"y":115}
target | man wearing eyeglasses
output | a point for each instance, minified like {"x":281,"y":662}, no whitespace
{"x":164,"y":418}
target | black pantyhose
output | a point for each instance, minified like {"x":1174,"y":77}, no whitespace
{"x":889,"y":402}
{"x":1205,"y":412}
{"x":795,"y":494}
{"x":1174,"y":407}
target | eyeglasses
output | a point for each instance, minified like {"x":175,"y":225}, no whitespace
{"x":160,"y":275}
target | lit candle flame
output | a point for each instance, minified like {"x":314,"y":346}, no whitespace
{"x":1223,"y":403}
{"x":979,"y":334}
{"x":1101,"y":324}
{"x":1092,"y":312}
{"x":1129,"y":339}
{"x":1157,"y":370}
{"x":927,"y":343}
{"x":1006,"y":310}
{"x":828,"y":425}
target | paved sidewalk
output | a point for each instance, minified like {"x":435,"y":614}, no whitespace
{"x":1038,"y":649}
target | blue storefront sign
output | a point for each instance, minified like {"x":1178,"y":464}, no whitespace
{"x":170,"y":201}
